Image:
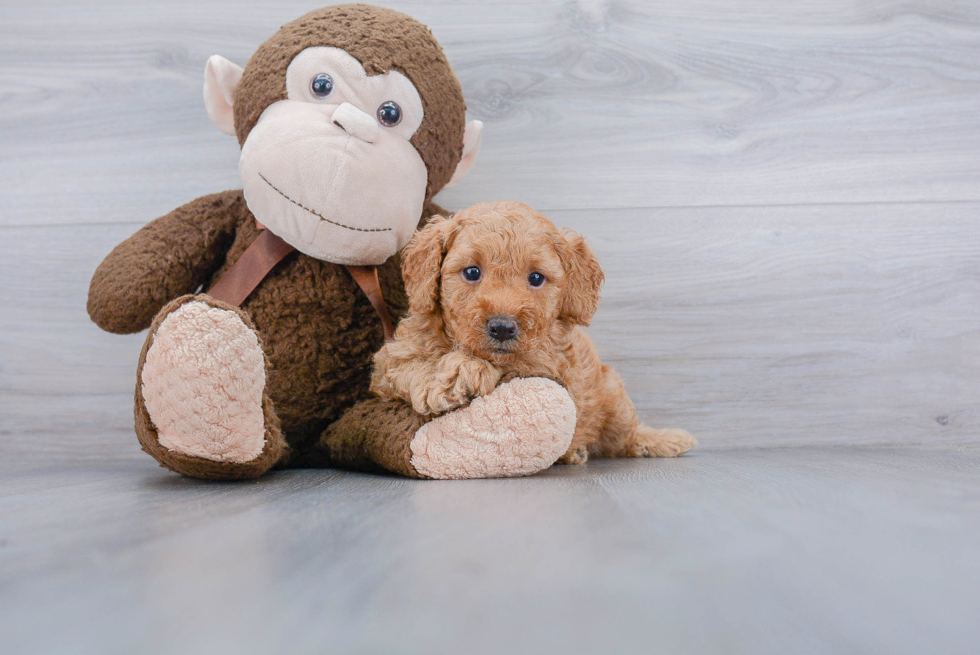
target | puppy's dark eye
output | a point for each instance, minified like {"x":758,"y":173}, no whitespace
{"x":471,"y":274}
{"x":322,"y":86}
{"x":535,"y":279}
{"x":390,"y":114}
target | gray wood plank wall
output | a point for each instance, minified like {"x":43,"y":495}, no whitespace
{"x":784,"y":195}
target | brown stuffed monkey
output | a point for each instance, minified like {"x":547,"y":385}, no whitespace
{"x":262,"y":304}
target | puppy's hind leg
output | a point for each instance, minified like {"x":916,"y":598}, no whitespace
{"x":665,"y":442}
{"x":624,"y":436}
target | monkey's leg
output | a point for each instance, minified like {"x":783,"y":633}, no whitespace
{"x":201,"y":406}
{"x":520,"y":428}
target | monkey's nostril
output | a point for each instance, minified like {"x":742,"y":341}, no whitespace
{"x":355,"y":122}
{"x":502,"y":329}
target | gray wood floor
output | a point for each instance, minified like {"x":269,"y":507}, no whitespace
{"x":784,"y":196}
{"x":785,"y":550}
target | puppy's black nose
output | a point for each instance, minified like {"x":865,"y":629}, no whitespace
{"x":501,"y":328}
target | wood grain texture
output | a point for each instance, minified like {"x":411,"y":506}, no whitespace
{"x":806,"y":550}
{"x":587,"y":104}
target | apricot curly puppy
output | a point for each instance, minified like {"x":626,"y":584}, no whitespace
{"x":496,"y":292}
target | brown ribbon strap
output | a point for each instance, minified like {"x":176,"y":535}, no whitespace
{"x":262,"y":256}
{"x":251,"y":268}
{"x":367,"y":278}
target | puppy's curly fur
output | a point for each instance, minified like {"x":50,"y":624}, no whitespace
{"x":447,"y":351}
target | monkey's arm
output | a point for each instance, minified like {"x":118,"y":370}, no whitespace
{"x":518,"y":429}
{"x":374,"y":434}
{"x":170,"y":256}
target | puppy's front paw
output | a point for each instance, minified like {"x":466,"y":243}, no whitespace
{"x":459,"y":378}
{"x":661,"y":443}
{"x":469,"y":377}
{"x":432,"y":398}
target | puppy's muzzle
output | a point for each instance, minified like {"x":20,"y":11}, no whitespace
{"x":502,"y":328}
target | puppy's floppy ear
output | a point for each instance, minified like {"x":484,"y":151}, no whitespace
{"x":583,"y":277}
{"x":422,"y":263}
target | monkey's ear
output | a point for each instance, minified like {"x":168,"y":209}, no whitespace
{"x":221,"y":78}
{"x":422,"y":263}
{"x":583,"y":278}
{"x":472,"y":138}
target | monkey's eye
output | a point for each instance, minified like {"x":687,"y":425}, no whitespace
{"x":389,"y":114}
{"x":322,"y":86}
{"x":535,"y":279}
{"x":471,"y":274}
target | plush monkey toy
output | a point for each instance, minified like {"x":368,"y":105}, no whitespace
{"x":350,"y":120}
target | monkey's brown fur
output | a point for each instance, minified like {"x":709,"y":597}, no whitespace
{"x":442,"y":355}
{"x":316,"y":327}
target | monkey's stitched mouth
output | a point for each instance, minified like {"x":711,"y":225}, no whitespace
{"x":321,"y":216}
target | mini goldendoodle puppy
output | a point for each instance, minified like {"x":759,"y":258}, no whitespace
{"x":497,"y":292}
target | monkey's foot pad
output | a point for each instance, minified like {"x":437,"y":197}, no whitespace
{"x":524,"y":426}
{"x":202,"y":383}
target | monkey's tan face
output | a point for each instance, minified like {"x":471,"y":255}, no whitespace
{"x":331,"y":169}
